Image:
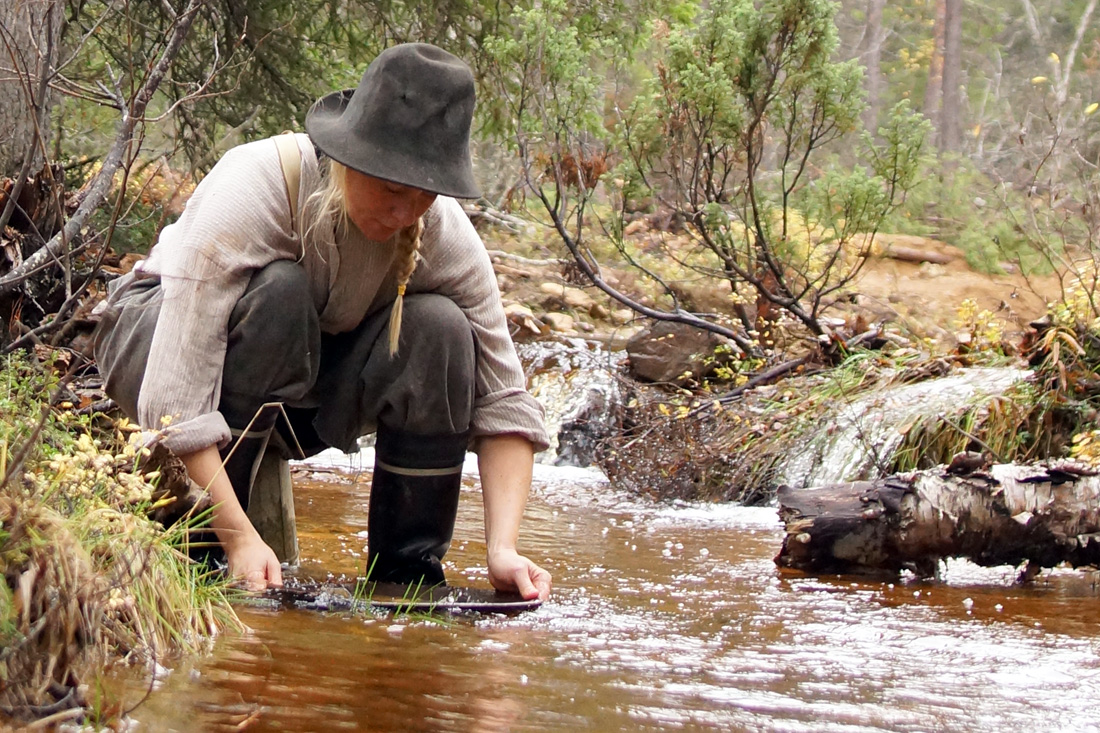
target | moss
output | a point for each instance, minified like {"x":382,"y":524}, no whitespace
{"x":694,"y":447}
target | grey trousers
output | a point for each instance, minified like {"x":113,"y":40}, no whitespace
{"x":337,"y":387}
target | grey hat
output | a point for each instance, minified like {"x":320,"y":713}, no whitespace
{"x":408,"y":121}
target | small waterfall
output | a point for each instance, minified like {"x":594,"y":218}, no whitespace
{"x":576,"y":382}
{"x":866,"y":431}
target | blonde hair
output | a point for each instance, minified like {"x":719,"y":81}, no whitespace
{"x":408,"y":248}
{"x":329,"y":203}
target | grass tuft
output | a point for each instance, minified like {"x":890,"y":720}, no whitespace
{"x":88,"y":577}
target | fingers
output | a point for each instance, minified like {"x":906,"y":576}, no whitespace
{"x":260,"y":579}
{"x":533,"y":582}
{"x":274,"y":573}
{"x":525,"y":578}
{"x":524,"y":586}
{"x":541,"y":581}
{"x":255,"y":580}
{"x":256,"y":568}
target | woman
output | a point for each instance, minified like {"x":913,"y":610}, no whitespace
{"x":364,"y":301}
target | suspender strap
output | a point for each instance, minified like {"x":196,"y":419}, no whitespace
{"x":291,"y":159}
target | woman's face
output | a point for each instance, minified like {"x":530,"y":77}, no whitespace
{"x":379,"y":207}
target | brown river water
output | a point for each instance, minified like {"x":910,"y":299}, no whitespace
{"x":662,"y":618}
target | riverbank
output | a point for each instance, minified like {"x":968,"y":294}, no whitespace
{"x":89,"y":579}
{"x":728,"y":432}
{"x":73,"y":505}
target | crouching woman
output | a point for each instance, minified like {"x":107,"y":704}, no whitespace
{"x":360,"y":297}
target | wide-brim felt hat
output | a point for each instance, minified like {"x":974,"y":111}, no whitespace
{"x":407,"y":122}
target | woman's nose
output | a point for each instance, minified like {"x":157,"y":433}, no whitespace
{"x":404,"y":210}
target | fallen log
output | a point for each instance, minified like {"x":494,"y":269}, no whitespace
{"x":915,"y":255}
{"x":1006,"y":514}
{"x":908,"y":248}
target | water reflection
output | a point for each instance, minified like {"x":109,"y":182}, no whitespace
{"x":304,"y":671}
{"x":663,"y":618}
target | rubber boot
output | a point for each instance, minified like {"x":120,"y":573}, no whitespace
{"x":241,"y":458}
{"x":413,"y":504}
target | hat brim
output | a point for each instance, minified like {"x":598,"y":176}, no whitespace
{"x":326,"y":126}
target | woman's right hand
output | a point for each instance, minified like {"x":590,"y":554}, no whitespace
{"x":250,"y":559}
{"x":253,"y":563}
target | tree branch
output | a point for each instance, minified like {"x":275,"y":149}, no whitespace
{"x":96,"y":193}
{"x":36,"y":99}
{"x":1071,"y":55}
{"x":678,"y":317}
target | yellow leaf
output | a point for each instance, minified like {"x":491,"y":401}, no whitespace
{"x":977,"y":130}
{"x":1092,"y":108}
{"x":1054,"y":58}
{"x":1038,"y":79}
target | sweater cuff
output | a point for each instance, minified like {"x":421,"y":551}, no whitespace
{"x":511,"y":411}
{"x":192,"y":435}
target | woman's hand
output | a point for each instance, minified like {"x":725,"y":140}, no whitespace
{"x":505,"y":463}
{"x":510,"y":571}
{"x":254,"y":563}
{"x":250,"y":559}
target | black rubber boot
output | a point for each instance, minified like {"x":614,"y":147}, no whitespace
{"x":242,"y":456}
{"x":413,"y":504}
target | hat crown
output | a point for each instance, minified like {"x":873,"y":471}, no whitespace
{"x":426,"y":91}
{"x":408,"y":121}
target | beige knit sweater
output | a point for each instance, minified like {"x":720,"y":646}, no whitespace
{"x":238,"y":220}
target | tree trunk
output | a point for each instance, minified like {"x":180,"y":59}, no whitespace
{"x":872,"y":58}
{"x":950,"y":111}
{"x":933,"y":90}
{"x":1032,"y":18}
{"x":29,"y":34}
{"x":1065,"y":69}
{"x":1044,"y":514}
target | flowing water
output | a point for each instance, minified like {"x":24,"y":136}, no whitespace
{"x":662,"y":618}
{"x":863,"y":434}
{"x":576,"y":382}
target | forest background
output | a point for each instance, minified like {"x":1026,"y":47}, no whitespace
{"x":724,"y":166}
{"x":782,"y":133}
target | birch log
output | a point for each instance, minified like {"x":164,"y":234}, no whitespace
{"x":1045,"y":514}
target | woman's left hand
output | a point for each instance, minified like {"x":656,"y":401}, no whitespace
{"x":511,"y":571}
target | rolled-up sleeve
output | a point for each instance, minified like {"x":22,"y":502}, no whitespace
{"x":236,"y":222}
{"x":182,"y":384}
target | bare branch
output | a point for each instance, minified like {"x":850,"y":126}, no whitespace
{"x":1032,"y":22}
{"x":765,"y":377}
{"x":90,"y":32}
{"x":36,"y":100}
{"x":591,"y":273}
{"x":1062,"y":91}
{"x":96,"y":192}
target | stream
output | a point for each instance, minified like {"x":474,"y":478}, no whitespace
{"x":663,"y":617}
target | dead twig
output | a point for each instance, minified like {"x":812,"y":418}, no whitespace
{"x":765,"y":377}
{"x":96,"y":191}
{"x":501,"y":254}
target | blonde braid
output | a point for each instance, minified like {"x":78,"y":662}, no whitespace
{"x":409,"y":248}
